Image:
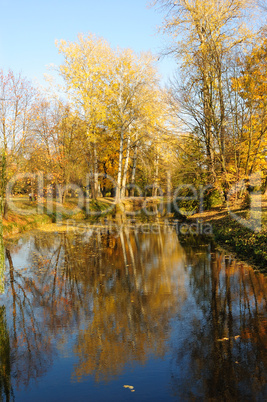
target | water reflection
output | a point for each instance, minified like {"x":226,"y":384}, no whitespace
{"x":5,"y":374}
{"x":136,"y":286}
{"x":115,"y":300}
{"x":5,"y":364}
{"x":2,"y":261}
{"x":225,"y":356}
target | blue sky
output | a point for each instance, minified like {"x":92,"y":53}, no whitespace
{"x":29,"y":28}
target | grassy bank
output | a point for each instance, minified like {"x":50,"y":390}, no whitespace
{"x":27,"y":215}
{"x":246,"y":244}
{"x":17,"y":223}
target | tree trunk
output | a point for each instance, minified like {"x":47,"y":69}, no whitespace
{"x":5,"y":208}
{"x":156,"y":177}
{"x":94,"y":172}
{"x":207,"y":124}
{"x":4,"y":204}
{"x":118,"y":189}
{"x":134,"y":170}
{"x":125,"y":170}
{"x":96,"y":187}
{"x":92,"y":183}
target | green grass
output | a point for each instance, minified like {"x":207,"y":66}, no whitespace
{"x":245,"y":243}
{"x":25,"y":215}
{"x":20,"y":223}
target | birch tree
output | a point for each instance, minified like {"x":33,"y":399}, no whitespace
{"x":134,"y":106}
{"x":117,"y":93}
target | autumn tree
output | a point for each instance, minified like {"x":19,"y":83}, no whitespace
{"x":17,"y":96}
{"x":251,"y":86}
{"x":205,"y":35}
{"x":116,"y":93}
{"x":56,"y":144}
{"x":134,"y":108}
{"x":86,"y":70}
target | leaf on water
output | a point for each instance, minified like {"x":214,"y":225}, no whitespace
{"x":227,"y":339}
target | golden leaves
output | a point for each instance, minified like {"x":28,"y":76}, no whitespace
{"x":131,"y":388}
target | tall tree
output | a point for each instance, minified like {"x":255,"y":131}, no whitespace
{"x":17,"y":97}
{"x":251,"y":85}
{"x":134,"y":106}
{"x":86,"y":70}
{"x":205,"y":34}
{"x":117,"y":94}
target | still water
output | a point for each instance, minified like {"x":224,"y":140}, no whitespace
{"x":129,"y":315}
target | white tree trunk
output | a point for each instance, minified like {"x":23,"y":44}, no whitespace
{"x":134,"y":170}
{"x":118,"y":190}
{"x":125,"y":170}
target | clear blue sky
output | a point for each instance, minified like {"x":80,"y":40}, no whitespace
{"x":29,"y":28}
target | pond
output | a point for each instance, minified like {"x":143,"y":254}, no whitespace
{"x":129,"y":315}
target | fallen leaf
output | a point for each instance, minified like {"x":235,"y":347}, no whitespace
{"x":223,"y":339}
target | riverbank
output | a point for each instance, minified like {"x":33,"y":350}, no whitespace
{"x":227,"y":232}
{"x":27,"y":215}
{"x":16,"y":223}
{"x":243,"y":242}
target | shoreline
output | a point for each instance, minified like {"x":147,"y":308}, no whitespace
{"x":242,"y":242}
{"x":245,"y":245}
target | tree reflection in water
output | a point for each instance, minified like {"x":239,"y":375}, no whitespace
{"x":119,"y":299}
{"x":224,"y":358}
{"x":5,"y":365}
{"x":122,"y":289}
{"x":136,"y":284}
